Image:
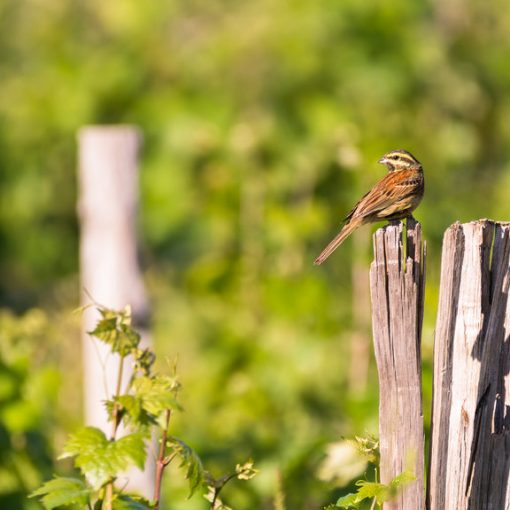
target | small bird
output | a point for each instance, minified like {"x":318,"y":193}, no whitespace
{"x":393,"y":198}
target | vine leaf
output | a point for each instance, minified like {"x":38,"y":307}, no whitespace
{"x":63,"y":491}
{"x":156,"y":394}
{"x":114,"y":329}
{"x":378,"y":491}
{"x":101,"y":460}
{"x":190,"y":460}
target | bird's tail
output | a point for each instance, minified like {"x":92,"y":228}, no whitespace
{"x":337,"y":241}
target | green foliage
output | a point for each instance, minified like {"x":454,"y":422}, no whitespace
{"x":62,"y":492}
{"x":336,"y":468}
{"x":347,"y":459}
{"x":151,"y":396}
{"x":99,"y":459}
{"x":115,"y":330}
{"x":368,"y":447}
{"x":156,"y":394}
{"x":28,"y":389}
{"x":189,"y":460}
{"x":375,"y":490}
{"x":243,"y":472}
{"x":149,"y":400}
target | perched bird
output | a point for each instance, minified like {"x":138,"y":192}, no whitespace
{"x":393,"y":198}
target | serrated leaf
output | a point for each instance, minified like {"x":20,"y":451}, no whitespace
{"x":134,"y":409}
{"x":101,"y":460}
{"x":88,"y":439}
{"x":376,"y":490}
{"x":125,"y":502}
{"x":115,"y":330}
{"x":143,"y":360}
{"x":156,"y":394}
{"x":62,"y":491}
{"x":190,"y":460}
{"x":132,"y":448}
{"x":379,"y":491}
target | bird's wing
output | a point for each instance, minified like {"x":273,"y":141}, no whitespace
{"x":391,"y":188}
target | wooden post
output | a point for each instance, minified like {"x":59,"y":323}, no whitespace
{"x":470,"y":445}
{"x":396,"y":286}
{"x":110,"y":274}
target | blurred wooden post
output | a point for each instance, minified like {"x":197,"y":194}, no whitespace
{"x":470,"y":445}
{"x":396,"y":287}
{"x":110,"y":274}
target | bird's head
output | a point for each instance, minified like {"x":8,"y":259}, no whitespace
{"x":400,"y":160}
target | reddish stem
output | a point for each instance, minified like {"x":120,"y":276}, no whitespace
{"x":160,"y":462}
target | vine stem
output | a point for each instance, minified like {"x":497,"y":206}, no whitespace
{"x":217,"y":490}
{"x":161,"y":462}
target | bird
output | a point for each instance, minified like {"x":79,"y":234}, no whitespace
{"x":394,"y":197}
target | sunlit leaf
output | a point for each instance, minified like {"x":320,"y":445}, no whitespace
{"x":61,"y":492}
{"x":99,"y":459}
{"x":156,"y":394}
{"x":114,"y":329}
{"x":190,"y":461}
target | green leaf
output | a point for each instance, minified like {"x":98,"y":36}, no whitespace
{"x":125,"y":502}
{"x":115,"y":330}
{"x":143,"y":360}
{"x":61,"y":492}
{"x":101,"y":460}
{"x":379,"y":491}
{"x":369,"y":447}
{"x":134,"y":409}
{"x":153,"y":396}
{"x":376,"y":490}
{"x":130,"y":449}
{"x":190,"y":460}
{"x":156,"y":394}
{"x":349,"y":501}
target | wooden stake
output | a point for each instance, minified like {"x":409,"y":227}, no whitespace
{"x":396,"y":287}
{"x":470,"y":445}
{"x":110,"y":273}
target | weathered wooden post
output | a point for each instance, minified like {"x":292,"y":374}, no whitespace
{"x":396,"y":284}
{"x":110,"y":274}
{"x":470,"y":445}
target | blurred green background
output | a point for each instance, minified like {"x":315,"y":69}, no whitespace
{"x":263,"y":121}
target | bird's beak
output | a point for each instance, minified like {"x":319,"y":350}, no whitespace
{"x":383,"y":160}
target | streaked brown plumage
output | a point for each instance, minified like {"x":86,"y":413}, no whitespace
{"x":393,"y":198}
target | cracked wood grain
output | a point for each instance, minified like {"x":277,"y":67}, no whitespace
{"x":396,"y":285}
{"x":470,"y":444}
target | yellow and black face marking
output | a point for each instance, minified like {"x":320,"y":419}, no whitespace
{"x":399,"y":160}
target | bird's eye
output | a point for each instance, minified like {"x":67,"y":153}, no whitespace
{"x":396,"y":157}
